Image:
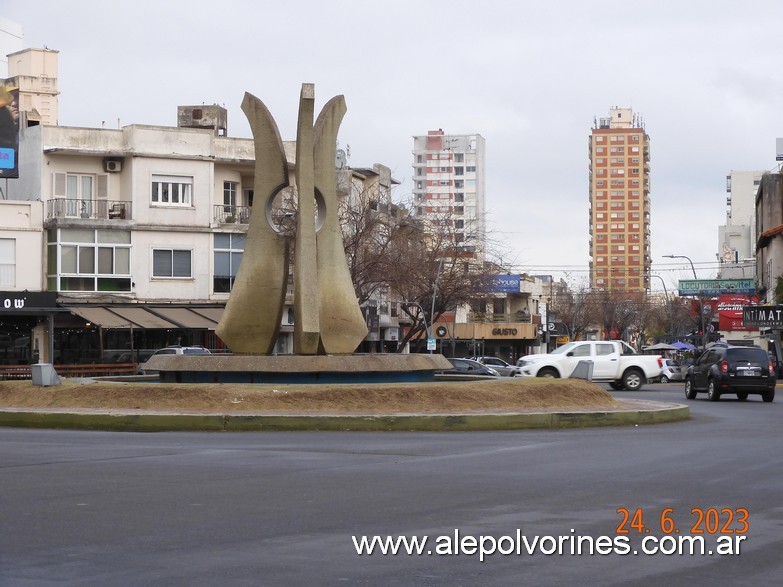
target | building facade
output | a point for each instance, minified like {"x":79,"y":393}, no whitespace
{"x":449,"y":184}
{"x":34,"y":72}
{"x":737,"y":238}
{"x":138,"y":232}
{"x":620,"y":256}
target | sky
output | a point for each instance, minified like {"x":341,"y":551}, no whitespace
{"x":531,"y":77}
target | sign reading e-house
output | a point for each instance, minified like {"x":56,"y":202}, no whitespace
{"x":763,"y":316}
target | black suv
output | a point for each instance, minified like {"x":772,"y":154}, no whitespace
{"x":732,"y":369}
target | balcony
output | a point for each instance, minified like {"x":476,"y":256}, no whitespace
{"x":232,"y":214}
{"x":510,"y":318}
{"x":61,"y":208}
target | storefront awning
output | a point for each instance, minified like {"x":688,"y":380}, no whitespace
{"x":187,"y":317}
{"x":152,"y":317}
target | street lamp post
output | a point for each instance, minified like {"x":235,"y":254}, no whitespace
{"x":668,"y":303}
{"x":701,"y":301}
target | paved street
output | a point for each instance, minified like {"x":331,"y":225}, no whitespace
{"x":99,"y":508}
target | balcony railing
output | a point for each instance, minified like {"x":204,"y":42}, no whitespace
{"x":232,"y":214}
{"x":497,"y":318}
{"x":89,"y":209}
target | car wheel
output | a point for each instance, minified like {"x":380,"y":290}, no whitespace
{"x":690,"y":393}
{"x":546,"y":372}
{"x":664,"y":379}
{"x":768,"y":395}
{"x":742,"y":396}
{"x":633,"y":380}
{"x":617,"y":386}
{"x":712,"y":394}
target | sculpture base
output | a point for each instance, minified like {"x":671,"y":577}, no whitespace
{"x":282,"y":369}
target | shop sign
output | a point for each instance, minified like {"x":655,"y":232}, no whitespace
{"x":714,"y":287}
{"x":763,"y":316}
{"x":25,"y":300}
{"x":504,"y":332}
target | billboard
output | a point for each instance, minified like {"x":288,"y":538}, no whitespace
{"x":714,"y":287}
{"x":505,"y":284}
{"x":9,"y":131}
{"x":730,"y":311}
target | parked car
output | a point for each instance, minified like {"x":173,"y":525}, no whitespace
{"x":173,"y":350}
{"x":182,"y":350}
{"x":499,"y":365}
{"x":732,"y":369}
{"x":469,"y":367}
{"x":671,"y":370}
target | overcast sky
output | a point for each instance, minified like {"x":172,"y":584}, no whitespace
{"x":531,"y":77}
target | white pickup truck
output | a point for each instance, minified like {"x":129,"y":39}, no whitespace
{"x":613,"y":361}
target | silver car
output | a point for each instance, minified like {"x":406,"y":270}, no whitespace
{"x":499,"y":365}
{"x":671,"y":370}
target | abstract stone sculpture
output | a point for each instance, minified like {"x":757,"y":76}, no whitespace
{"x":328,"y":319}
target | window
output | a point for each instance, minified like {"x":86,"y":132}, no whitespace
{"x":171,"y":263}
{"x":88,"y":260}
{"x":444,"y":169}
{"x":230,"y":189}
{"x":169,"y":190}
{"x":459,"y":184}
{"x":459,"y":197}
{"x":443,"y":182}
{"x":604,"y":349}
{"x":459,"y":170}
{"x":75,"y":193}
{"x":228,"y":254}
{"x":7,"y":262}
{"x":470,"y":169}
{"x":459,"y":157}
{"x":581,"y":350}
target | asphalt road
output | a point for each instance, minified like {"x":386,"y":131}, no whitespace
{"x":102,"y":508}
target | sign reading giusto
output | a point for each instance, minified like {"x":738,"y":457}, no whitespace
{"x":763,"y":316}
{"x":715,"y":287}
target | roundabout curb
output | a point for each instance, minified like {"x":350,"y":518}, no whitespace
{"x":634,"y":412}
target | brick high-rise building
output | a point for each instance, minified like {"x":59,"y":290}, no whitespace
{"x":620,"y":203}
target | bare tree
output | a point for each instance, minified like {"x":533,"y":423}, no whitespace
{"x":573,"y":307}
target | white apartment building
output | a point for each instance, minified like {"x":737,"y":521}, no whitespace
{"x":736,"y":238}
{"x":449,"y":184}
{"x":140,"y":230}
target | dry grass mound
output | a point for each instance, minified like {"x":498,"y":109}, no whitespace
{"x":507,"y":394}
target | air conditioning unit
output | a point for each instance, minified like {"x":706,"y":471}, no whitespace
{"x":112,"y":165}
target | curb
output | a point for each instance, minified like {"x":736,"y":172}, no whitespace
{"x":236,"y":422}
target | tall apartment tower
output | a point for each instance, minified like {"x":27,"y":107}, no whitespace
{"x":620,"y":203}
{"x":448,"y":182}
